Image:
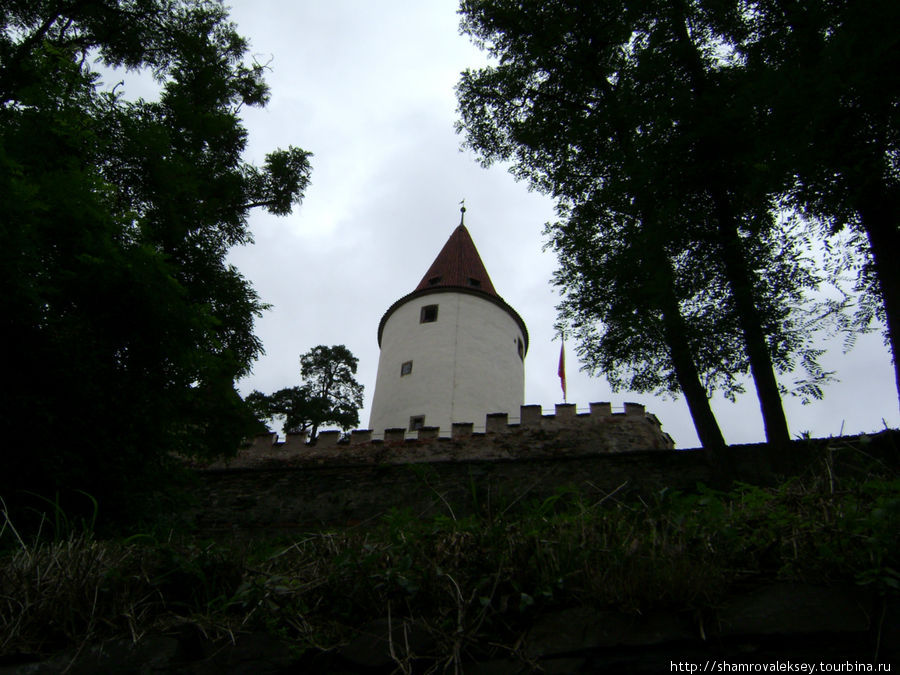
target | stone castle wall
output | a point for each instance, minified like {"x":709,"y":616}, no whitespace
{"x":565,"y":433}
{"x":272,"y":485}
{"x":285,"y":497}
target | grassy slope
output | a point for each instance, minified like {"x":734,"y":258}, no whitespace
{"x":477,"y":580}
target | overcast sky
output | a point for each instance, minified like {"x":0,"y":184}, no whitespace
{"x":367,"y":86}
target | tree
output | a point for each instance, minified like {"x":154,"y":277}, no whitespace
{"x":826,"y":72}
{"x":330,"y":394}
{"x":624,"y":116}
{"x":297,"y":407}
{"x":127,"y":325}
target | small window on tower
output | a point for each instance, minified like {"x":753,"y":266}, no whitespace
{"x":521,"y":347}
{"x":429,"y":314}
{"x":434,"y":281}
{"x":405,"y":368}
{"x":416,"y":422}
{"x":474,"y":283}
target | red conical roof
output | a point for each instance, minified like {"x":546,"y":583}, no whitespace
{"x":458,"y":264}
{"x":457,"y":269}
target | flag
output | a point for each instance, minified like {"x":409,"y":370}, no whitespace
{"x":562,"y":369}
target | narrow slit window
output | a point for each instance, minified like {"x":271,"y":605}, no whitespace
{"x":520,"y":346}
{"x":429,"y":314}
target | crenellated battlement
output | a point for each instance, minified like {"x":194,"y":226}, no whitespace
{"x":566,"y":432}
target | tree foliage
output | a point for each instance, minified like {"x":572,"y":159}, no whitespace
{"x":826,"y":72}
{"x":329,"y":394}
{"x":676,"y":271}
{"x":127,"y":326}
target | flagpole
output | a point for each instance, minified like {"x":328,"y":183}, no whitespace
{"x":561,"y":371}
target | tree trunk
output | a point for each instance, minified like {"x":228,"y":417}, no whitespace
{"x":740,"y":281}
{"x":739,"y":276}
{"x":675,"y":331}
{"x":879,"y":221}
{"x":705,"y":423}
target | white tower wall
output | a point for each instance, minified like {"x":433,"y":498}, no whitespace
{"x":467,"y":363}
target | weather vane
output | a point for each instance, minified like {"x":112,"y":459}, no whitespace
{"x":462,"y":212}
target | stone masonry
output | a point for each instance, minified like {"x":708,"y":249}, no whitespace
{"x":563,"y":434}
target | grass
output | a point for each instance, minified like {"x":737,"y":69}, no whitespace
{"x":472,"y":583}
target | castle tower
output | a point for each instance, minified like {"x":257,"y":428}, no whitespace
{"x":452,"y":350}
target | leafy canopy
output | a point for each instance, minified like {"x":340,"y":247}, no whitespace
{"x":640,"y":132}
{"x":330,"y":393}
{"x":126,"y":323}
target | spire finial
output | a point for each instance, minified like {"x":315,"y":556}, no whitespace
{"x":462,"y":212}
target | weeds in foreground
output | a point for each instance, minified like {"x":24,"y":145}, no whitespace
{"x":472,"y":583}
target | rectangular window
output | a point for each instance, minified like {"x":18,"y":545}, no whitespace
{"x":405,"y":368}
{"x":475,"y":283}
{"x":416,"y":422}
{"x":429,"y":314}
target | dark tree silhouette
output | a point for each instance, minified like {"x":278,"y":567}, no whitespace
{"x":126,"y":324}
{"x":631,"y":116}
{"x":827,"y":74}
{"x":330,"y":394}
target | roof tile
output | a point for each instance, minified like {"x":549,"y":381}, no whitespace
{"x":458,"y":264}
